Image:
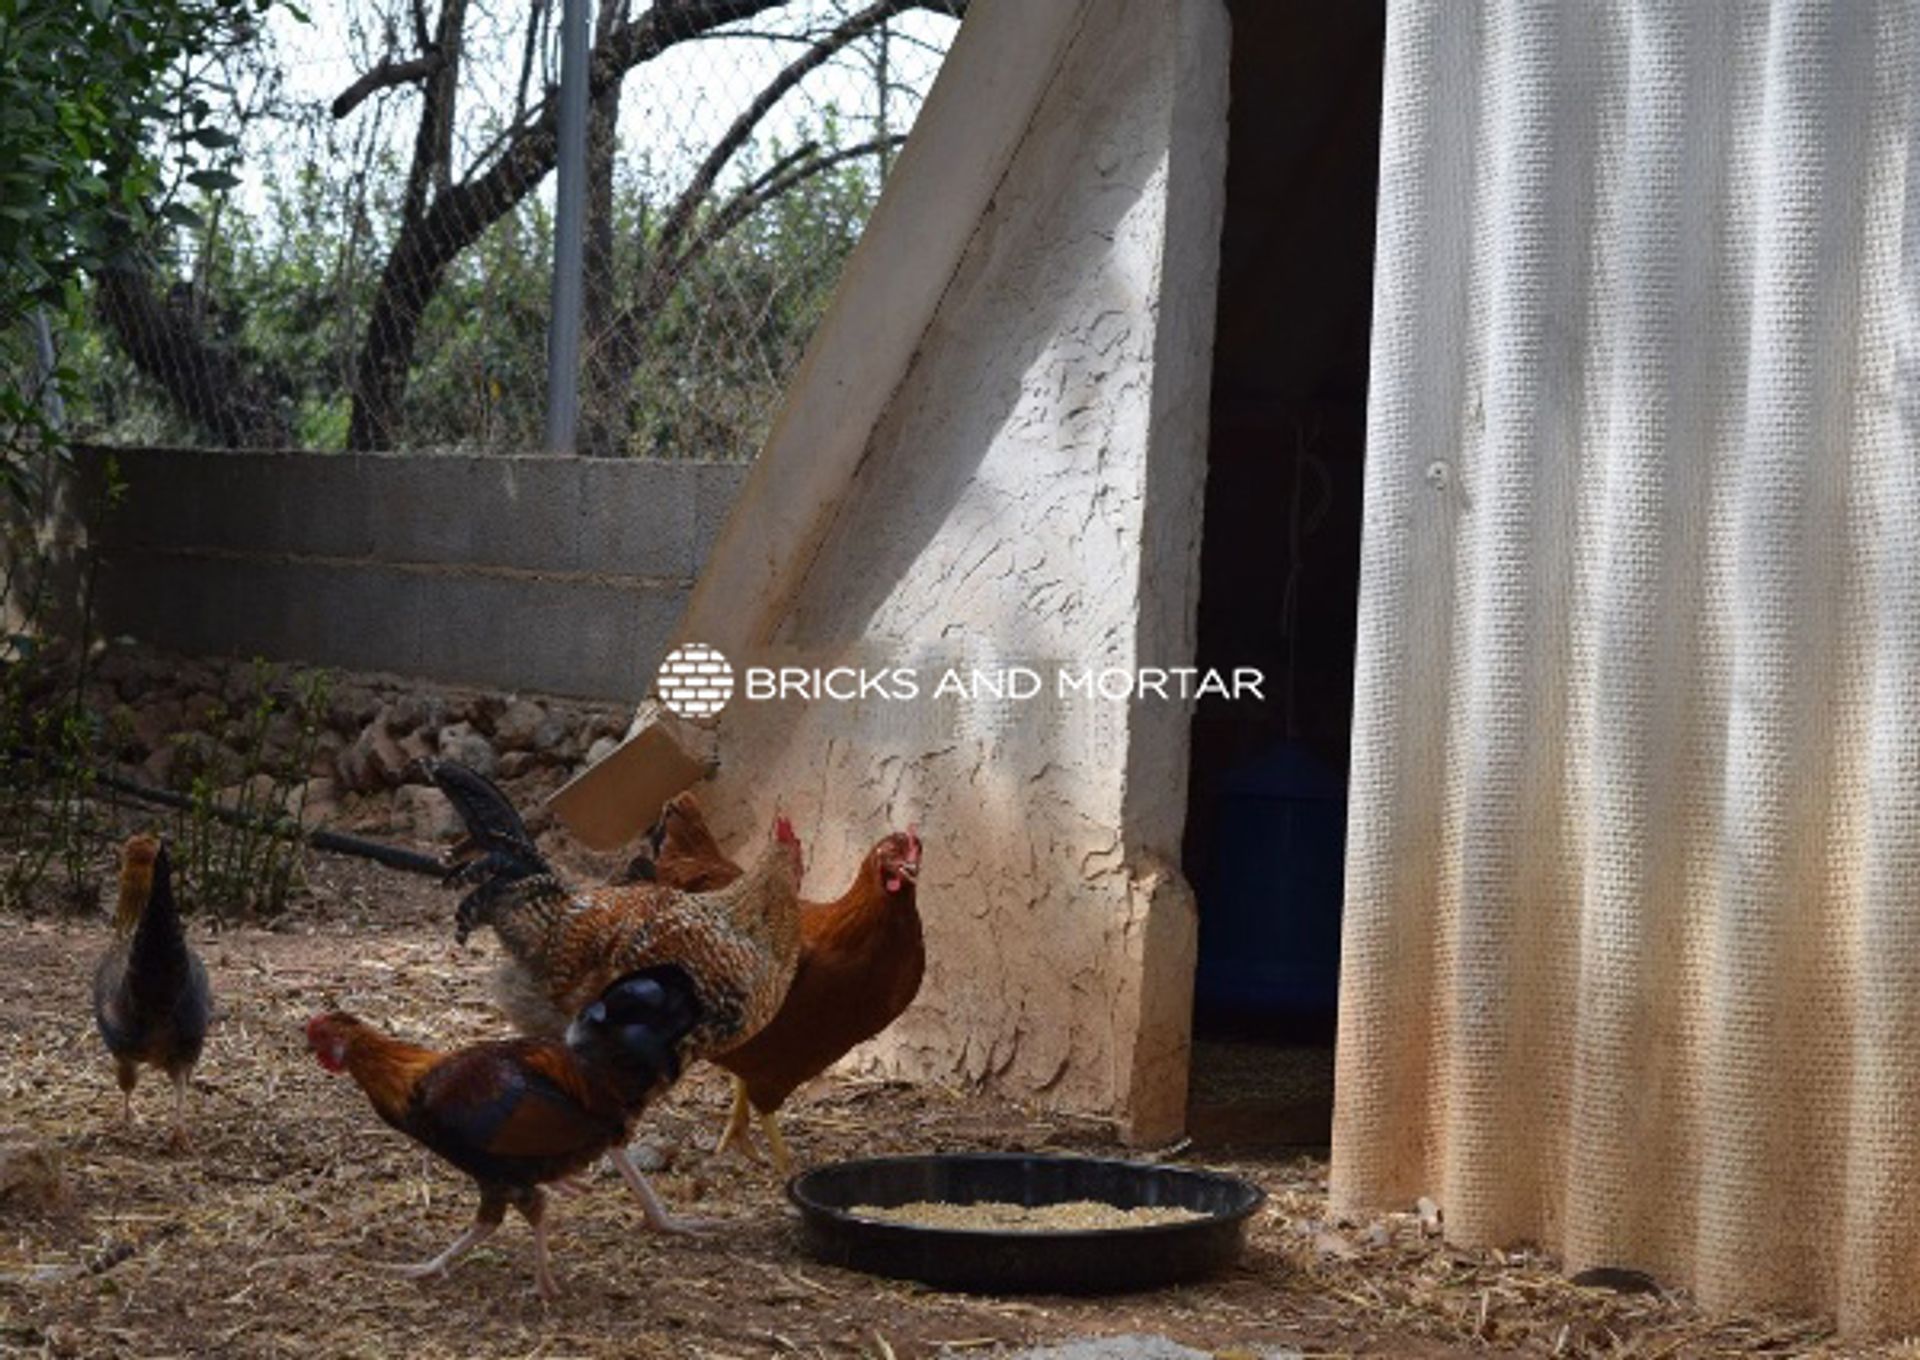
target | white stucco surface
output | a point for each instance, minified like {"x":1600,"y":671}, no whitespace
{"x":1030,"y":494}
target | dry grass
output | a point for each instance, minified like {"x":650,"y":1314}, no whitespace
{"x":268,"y":1238}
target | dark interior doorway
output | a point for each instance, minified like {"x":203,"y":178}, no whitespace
{"x":1280,"y":562}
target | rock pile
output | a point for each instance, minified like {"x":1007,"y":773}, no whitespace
{"x":345,"y":758}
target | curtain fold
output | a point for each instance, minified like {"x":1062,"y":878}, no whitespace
{"x":1632,"y":952}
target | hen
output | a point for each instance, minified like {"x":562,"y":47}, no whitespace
{"x":151,"y":998}
{"x":739,"y":944}
{"x":861,"y":960}
{"x":518,"y":1114}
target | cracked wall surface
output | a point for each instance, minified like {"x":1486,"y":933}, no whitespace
{"x":1031,"y":496}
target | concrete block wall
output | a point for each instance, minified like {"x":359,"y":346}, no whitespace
{"x":559,"y":575}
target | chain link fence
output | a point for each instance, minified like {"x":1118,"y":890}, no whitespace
{"x":374,"y":270}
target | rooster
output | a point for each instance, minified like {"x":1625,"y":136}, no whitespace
{"x":518,"y":1114}
{"x":739,"y":944}
{"x":151,"y":998}
{"x":861,"y":960}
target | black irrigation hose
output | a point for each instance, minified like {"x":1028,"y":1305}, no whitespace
{"x":393,"y":856}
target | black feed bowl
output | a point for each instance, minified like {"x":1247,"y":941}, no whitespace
{"x":997,"y":1261}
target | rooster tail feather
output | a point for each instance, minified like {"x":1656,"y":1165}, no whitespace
{"x":159,"y":948}
{"x":493,"y":827}
{"x":498,"y":851}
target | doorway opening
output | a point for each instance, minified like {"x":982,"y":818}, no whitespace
{"x":1280,"y":562}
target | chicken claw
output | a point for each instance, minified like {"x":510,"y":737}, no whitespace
{"x":446,"y":1260}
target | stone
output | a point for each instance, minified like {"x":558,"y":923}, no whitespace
{"x":601,"y":749}
{"x":428,"y":813}
{"x":514,"y":764}
{"x":374,"y":760}
{"x":351,"y":707}
{"x":283,"y":736}
{"x":327,"y":746}
{"x":202,"y":712}
{"x":524,"y":726}
{"x":259,"y":793}
{"x":607,"y":723}
{"x":199,"y":757}
{"x":133,"y":673}
{"x":415,"y":710}
{"x":157,"y":720}
{"x":416,"y":746}
{"x":195,"y":677}
{"x":316,"y":802}
{"x":157,"y":768}
{"x":461,"y":743}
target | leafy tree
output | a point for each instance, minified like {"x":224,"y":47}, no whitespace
{"x":396,"y":294}
{"x":289,"y":287}
{"x":104,"y":120}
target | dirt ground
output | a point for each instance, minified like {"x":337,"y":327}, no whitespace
{"x":268,"y":1238}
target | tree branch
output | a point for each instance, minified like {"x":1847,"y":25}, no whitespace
{"x":459,"y":214}
{"x":769,"y":187}
{"x":855,"y":27}
{"x":384,"y":76}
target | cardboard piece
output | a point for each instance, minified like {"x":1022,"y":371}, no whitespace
{"x":613,"y":801}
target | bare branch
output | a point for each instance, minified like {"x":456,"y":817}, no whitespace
{"x":856,"y":26}
{"x":535,"y":22}
{"x":769,"y":187}
{"x":384,"y":76}
{"x":459,"y":214}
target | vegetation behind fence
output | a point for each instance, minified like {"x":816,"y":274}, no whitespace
{"x":368,"y":265}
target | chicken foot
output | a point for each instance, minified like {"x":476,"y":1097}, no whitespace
{"x":739,"y":1131}
{"x":651,"y":1204}
{"x":479,"y":1231}
{"x":782,"y":1159}
{"x":485,"y":1223}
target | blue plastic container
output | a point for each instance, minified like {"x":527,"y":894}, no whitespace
{"x":1270,"y":903}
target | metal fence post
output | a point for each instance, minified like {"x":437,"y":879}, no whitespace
{"x":569,"y":235}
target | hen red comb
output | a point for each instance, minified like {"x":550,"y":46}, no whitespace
{"x":783,"y":830}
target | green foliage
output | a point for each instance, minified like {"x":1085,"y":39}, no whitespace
{"x":101,"y":117}
{"x":242,"y":846}
{"x":49,"y":746}
{"x":46,"y":786}
{"x":715,"y":359}
{"x":291,"y":287}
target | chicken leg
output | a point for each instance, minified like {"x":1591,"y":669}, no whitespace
{"x":782,"y":1159}
{"x":739,"y":1130}
{"x":485,"y":1223}
{"x":534,"y":1210}
{"x":179,"y":1139}
{"x":737,"y":1126}
{"x":650,"y":1203}
{"x":127,"y":1073}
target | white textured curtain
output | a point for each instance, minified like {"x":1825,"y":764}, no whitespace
{"x":1632,"y":952}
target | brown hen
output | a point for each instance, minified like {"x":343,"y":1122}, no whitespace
{"x":862,"y":957}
